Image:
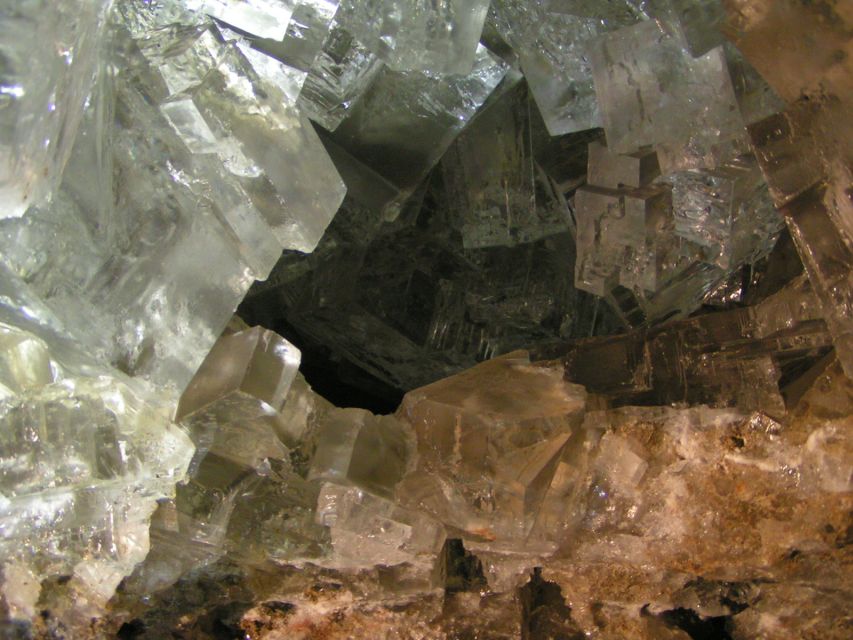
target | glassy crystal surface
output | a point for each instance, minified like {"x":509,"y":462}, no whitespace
{"x":652,"y":92}
{"x":367,"y":530}
{"x":84,"y":461}
{"x":727,"y":210}
{"x":340,"y":75}
{"x":43,"y":92}
{"x":487,"y":444}
{"x":353,"y":445}
{"x":415,"y":35}
{"x":406,"y":119}
{"x":551,"y":42}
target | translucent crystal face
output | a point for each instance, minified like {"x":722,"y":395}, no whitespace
{"x":596,"y":254}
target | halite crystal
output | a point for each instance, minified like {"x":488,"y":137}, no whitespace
{"x":84,"y":461}
{"x":552,"y":47}
{"x":339,"y":77}
{"x":652,"y":92}
{"x":406,"y":119}
{"x":413,"y":35}
{"x":43,"y":92}
{"x":496,"y":451}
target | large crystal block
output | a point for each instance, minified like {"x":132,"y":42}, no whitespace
{"x":618,"y":236}
{"x":415,"y":35}
{"x":43,"y":91}
{"x":406,"y":120}
{"x":727,"y":210}
{"x":261,"y":18}
{"x":353,"y":445}
{"x":487,"y":446}
{"x":232,"y":404}
{"x":250,"y":369}
{"x":137,"y":234}
{"x":653,"y":93}
{"x":340,"y":75}
{"x":805,"y":155}
{"x":698,"y":22}
{"x":493,"y":184}
{"x":84,"y":462}
{"x":551,"y":42}
{"x":367,"y":530}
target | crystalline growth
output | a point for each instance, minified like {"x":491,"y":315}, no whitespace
{"x":551,"y":42}
{"x":492,"y":437}
{"x":353,"y":445}
{"x":416,"y":35}
{"x":494,"y":187}
{"x":367,"y":530}
{"x":43,"y":91}
{"x":653,"y":93}
{"x":232,"y":404}
{"x":727,"y":210}
{"x":406,"y":120}
{"x":187,"y":152}
{"x":84,"y":461}
{"x":620,"y":238}
{"x":340,"y":75}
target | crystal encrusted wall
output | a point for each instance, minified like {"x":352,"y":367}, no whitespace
{"x":544,"y":319}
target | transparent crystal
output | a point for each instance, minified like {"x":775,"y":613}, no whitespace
{"x":43,"y":91}
{"x":486,"y":446}
{"x":339,"y":77}
{"x":653,"y":93}
{"x":552,"y":43}
{"x":406,"y":120}
{"x":411,"y":35}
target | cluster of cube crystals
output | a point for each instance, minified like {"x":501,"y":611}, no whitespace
{"x":156,"y":160}
{"x":445,"y":165}
{"x":668,"y":241}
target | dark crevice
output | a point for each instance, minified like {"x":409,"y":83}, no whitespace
{"x":544,"y":612}
{"x":697,"y":627}
{"x":459,"y":570}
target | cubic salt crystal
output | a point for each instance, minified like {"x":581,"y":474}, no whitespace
{"x":698,"y":22}
{"x":43,"y":91}
{"x":261,"y":18}
{"x":552,"y":47}
{"x":84,"y":459}
{"x":339,"y":77}
{"x":410,"y":35}
{"x":353,"y":445}
{"x":618,"y":235}
{"x":652,"y":93}
{"x":406,"y":120}
{"x":367,"y":530}
{"x":727,"y":210}
{"x":479,"y":444}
